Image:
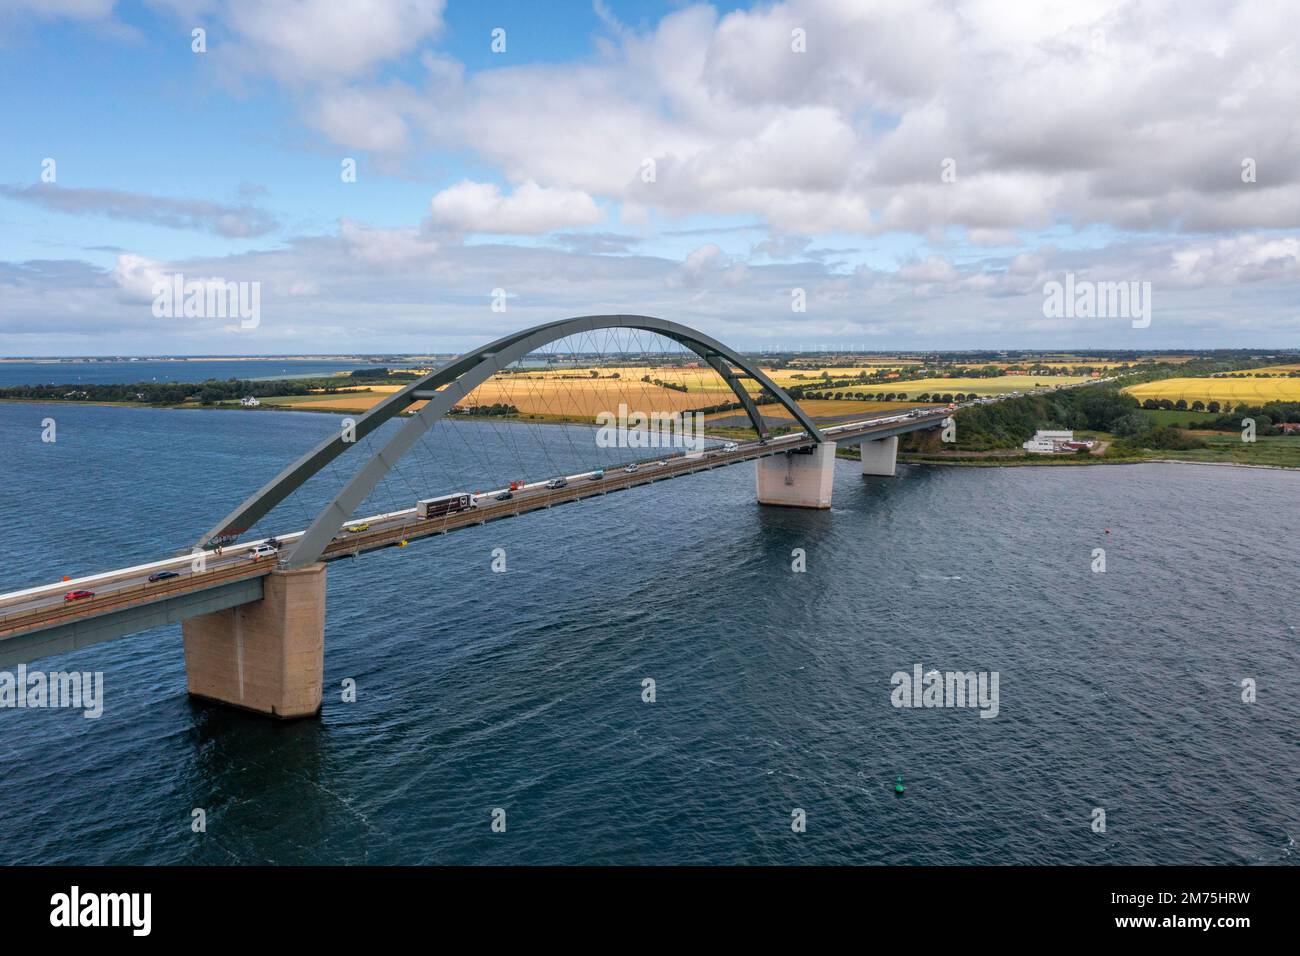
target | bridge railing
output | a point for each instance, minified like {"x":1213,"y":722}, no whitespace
{"x":129,"y":595}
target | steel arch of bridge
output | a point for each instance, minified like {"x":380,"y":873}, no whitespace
{"x":443,"y":388}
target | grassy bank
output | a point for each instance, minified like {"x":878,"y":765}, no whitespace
{"x":1223,"y":449}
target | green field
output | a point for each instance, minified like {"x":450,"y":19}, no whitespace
{"x":1280,"y":450}
{"x":1178,"y":419}
{"x":1223,"y":448}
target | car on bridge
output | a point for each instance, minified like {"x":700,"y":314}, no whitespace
{"x":596,"y":475}
{"x":262,"y":551}
{"x":505,"y":496}
{"x":163,"y":576}
{"x":358,"y":528}
{"x":557,"y":483}
{"x":731,"y":446}
{"x":630,"y":468}
{"x":78,"y":595}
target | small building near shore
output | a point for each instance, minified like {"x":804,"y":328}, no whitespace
{"x":1049,"y":442}
{"x":249,"y":401}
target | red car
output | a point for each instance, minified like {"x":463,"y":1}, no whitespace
{"x":78,"y":595}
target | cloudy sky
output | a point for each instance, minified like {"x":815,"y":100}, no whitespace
{"x":920,"y":170}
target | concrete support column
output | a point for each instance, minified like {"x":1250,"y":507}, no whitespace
{"x":267,"y":656}
{"x":798,"y":480}
{"x":879,"y":456}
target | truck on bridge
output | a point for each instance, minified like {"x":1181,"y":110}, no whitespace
{"x":444,"y":505}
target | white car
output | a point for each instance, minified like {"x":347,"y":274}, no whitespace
{"x":731,"y":446}
{"x":261,"y":551}
{"x":630,"y":468}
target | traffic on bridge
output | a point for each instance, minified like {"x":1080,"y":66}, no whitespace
{"x":230,"y":586}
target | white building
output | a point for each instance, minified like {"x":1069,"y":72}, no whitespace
{"x":1048,"y":442}
{"x":249,"y":401}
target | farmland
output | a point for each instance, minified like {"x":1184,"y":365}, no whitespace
{"x":822,"y":410}
{"x":566,"y":394}
{"x":999,"y":385}
{"x":1237,"y":390}
{"x":581,"y":393}
{"x":574,"y":394}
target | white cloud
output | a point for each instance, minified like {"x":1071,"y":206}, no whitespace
{"x":372,"y":119}
{"x":1133,"y":115}
{"x":1059,"y":115}
{"x":231,"y":221}
{"x":531,"y":209}
{"x":930,"y":269}
{"x":312,"y":41}
{"x":389,"y":248}
{"x":135,"y":277}
{"x":371,"y":288}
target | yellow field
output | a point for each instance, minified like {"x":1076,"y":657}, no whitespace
{"x":1268,"y":370}
{"x":967,"y":386}
{"x":695,"y":379}
{"x":634,"y":372}
{"x":586,"y":398}
{"x":1239,"y":391}
{"x":573,"y":393}
{"x":343,"y":402}
{"x":809,"y":365}
{"x":551,"y":393}
{"x":1096,"y":365}
{"x":808,"y":376}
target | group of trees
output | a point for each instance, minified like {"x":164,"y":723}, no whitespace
{"x":1138,"y":430}
{"x":1181,"y":405}
{"x":1267,"y":418}
{"x":1293,"y":373}
{"x":1011,"y":422}
{"x":926,"y":397}
{"x":1008,"y":423}
{"x":675,"y":386}
{"x":208,"y":392}
{"x":497,"y":409}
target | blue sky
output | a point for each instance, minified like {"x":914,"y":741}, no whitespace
{"x":1100,"y":138}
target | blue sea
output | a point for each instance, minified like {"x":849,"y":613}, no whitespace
{"x":523,"y":691}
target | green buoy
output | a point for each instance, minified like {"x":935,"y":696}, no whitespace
{"x":898,"y":785}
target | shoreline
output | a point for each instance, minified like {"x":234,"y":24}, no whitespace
{"x":991,"y":462}
{"x":1004,"y":463}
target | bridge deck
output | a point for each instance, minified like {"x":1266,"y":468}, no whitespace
{"x":31,"y":616}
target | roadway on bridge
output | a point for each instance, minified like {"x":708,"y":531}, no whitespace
{"x":35,"y":608}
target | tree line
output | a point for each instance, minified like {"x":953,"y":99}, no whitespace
{"x":207,"y":392}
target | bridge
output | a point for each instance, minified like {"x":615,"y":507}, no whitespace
{"x":253,"y":615}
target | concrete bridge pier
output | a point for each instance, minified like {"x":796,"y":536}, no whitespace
{"x":267,"y":656}
{"x":798,"y":479}
{"x":880,"y":456}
